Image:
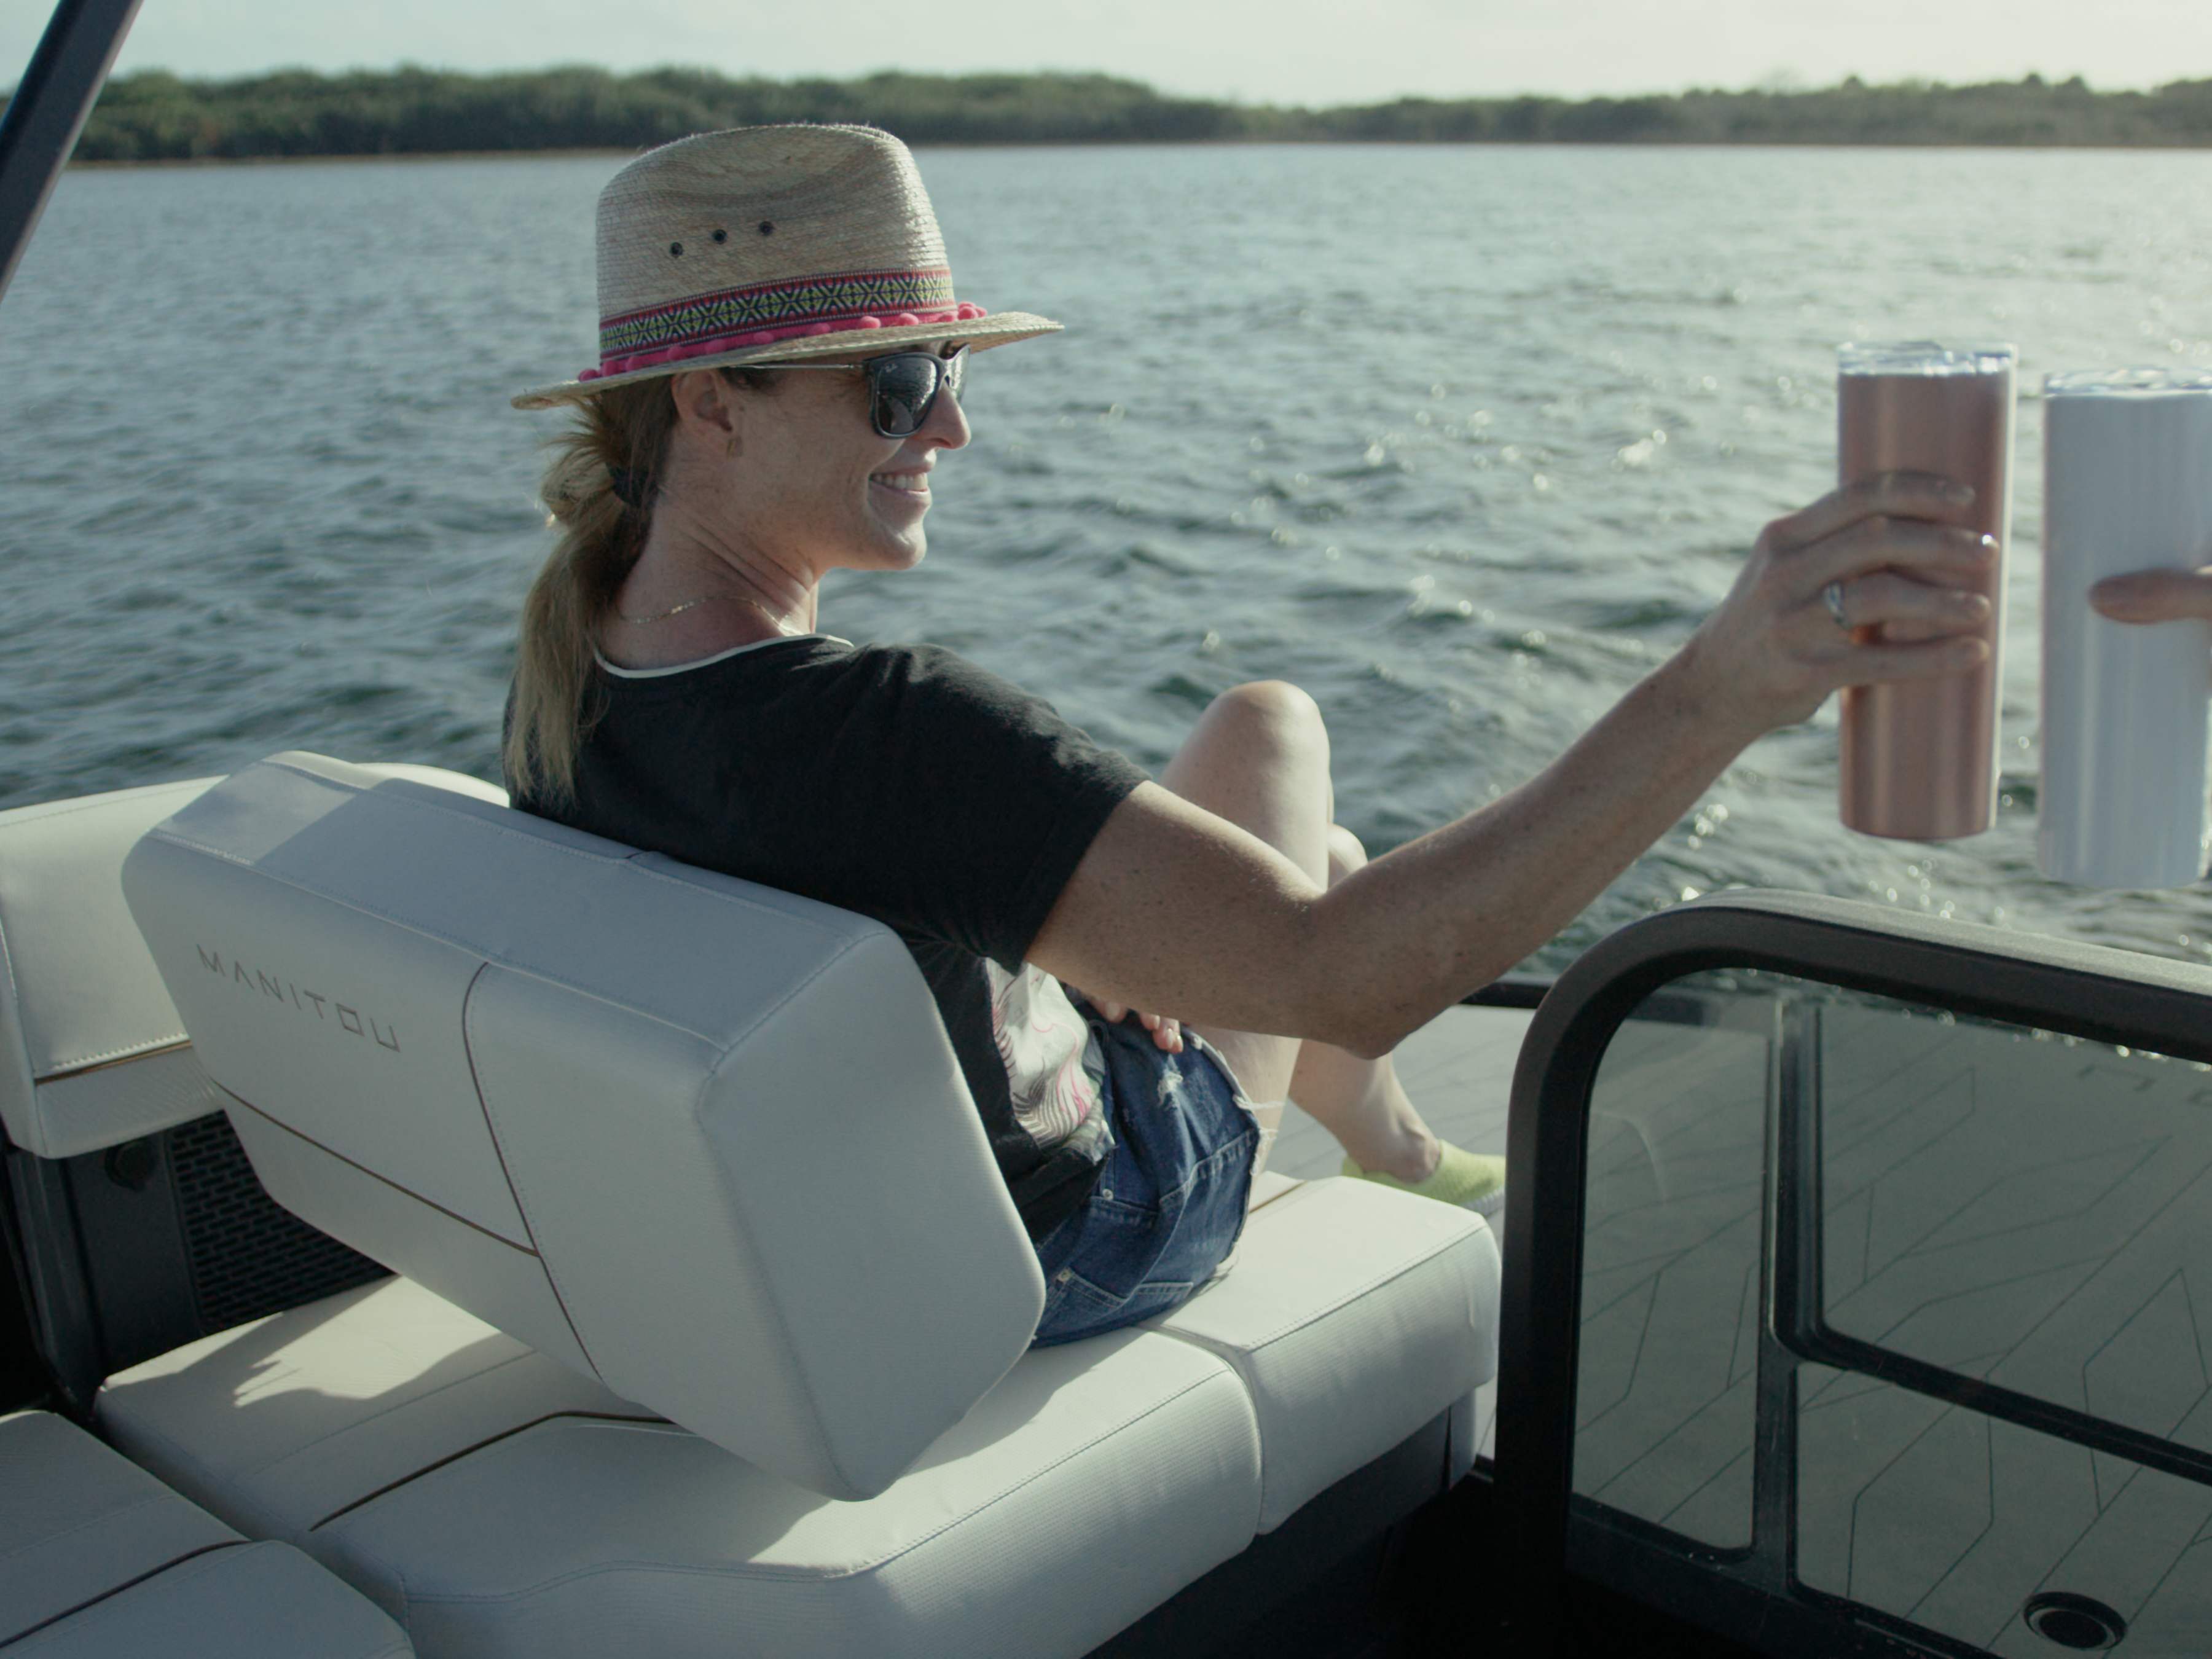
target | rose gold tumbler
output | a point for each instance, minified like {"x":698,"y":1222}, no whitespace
{"x":1920,"y":759}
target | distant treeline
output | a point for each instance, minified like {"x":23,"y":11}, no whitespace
{"x":154,"y":116}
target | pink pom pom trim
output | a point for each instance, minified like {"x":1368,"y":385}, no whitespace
{"x":962,"y":313}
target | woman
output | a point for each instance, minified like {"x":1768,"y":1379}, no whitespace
{"x":781,"y":354}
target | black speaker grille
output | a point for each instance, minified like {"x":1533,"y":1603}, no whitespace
{"x":248,"y":1257}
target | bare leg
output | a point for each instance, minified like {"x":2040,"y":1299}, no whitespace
{"x":1361,"y":1102}
{"x":1259,"y":757}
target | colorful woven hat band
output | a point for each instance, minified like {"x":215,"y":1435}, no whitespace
{"x":772,"y":242}
{"x":706,"y":324}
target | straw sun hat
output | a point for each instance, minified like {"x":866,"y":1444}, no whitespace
{"x":772,"y":244}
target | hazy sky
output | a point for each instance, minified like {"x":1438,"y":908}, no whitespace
{"x":1284,"y":50}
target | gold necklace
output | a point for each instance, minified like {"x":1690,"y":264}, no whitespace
{"x":663,"y":616}
{"x":782,"y":625}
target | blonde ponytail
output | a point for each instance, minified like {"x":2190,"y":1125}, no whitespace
{"x":624,"y":429}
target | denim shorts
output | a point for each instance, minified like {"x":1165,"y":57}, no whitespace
{"x":1169,"y":1200}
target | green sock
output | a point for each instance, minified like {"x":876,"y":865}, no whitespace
{"x":1473,"y":1181}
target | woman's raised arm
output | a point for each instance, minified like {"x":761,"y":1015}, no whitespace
{"x":1176,"y":910}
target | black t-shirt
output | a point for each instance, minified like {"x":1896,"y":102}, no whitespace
{"x":905,"y":784}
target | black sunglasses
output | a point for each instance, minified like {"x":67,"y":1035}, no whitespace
{"x":903,"y":385}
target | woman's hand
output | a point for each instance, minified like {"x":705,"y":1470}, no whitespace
{"x":1167,"y":1034}
{"x":1773,"y":651}
{"x":2155,"y":596}
{"x":1185,"y":910}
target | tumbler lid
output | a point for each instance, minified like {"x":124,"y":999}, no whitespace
{"x":1923,"y":358}
{"x":2127,"y":382}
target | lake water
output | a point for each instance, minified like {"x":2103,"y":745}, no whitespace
{"x":1464,"y":440}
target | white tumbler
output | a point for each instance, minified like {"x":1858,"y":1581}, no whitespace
{"x":2127,"y":485}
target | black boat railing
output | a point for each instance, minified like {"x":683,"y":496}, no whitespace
{"x":2050,"y":987}
{"x":39,"y":127}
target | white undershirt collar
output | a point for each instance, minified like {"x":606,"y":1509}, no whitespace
{"x":622,"y":673}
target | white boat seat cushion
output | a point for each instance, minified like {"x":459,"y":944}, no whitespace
{"x":92,"y":1050}
{"x":503,"y":1506}
{"x":97,"y":1557}
{"x":1094,"y":1481}
{"x":1354,"y":1314}
{"x":702,"y":1140}
{"x":251,"y":1601}
{"x":77,"y":1522}
{"x":280,"y":1424}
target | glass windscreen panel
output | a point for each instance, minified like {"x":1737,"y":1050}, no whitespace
{"x":1962,"y":1523}
{"x":1664,"y":1417}
{"x":2033,"y":1210}
{"x":2007,"y":1204}
{"x":2027,"y":1208}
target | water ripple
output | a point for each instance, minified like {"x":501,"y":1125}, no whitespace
{"x":1464,"y":440}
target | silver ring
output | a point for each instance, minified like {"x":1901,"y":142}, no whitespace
{"x":1832,"y":596}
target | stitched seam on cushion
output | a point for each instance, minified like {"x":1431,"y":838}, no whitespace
{"x":407,"y":1602}
{"x":321,"y":1441}
{"x":630,"y":858}
{"x":8,"y":965}
{"x":7,"y":960}
{"x":62,"y":1070}
{"x":177,"y":1453}
{"x":1034,"y":1476}
{"x":514,"y":1191}
{"x":531,"y":970}
{"x":397,"y":1575}
{"x":1001,"y":1497}
{"x":803,"y":1575}
{"x":180,"y":1566}
{"x":725,"y":1052}
{"x":228,"y":1473}
{"x":1305,"y":1320}
{"x":468,"y":1451}
{"x":101,"y":1519}
{"x":23,"y":1037}
{"x":342,"y":1522}
{"x":738,"y":1220}
{"x":424,"y":1198}
{"x":70,"y":809}
{"x":157,"y":833}
{"x":224,"y":1478}
{"x":485,"y":827}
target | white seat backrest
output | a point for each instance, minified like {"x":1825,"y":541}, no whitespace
{"x":92,"y":1050}
{"x":702,"y":1139}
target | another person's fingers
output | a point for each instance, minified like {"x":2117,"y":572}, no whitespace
{"x":2151,"y":596}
